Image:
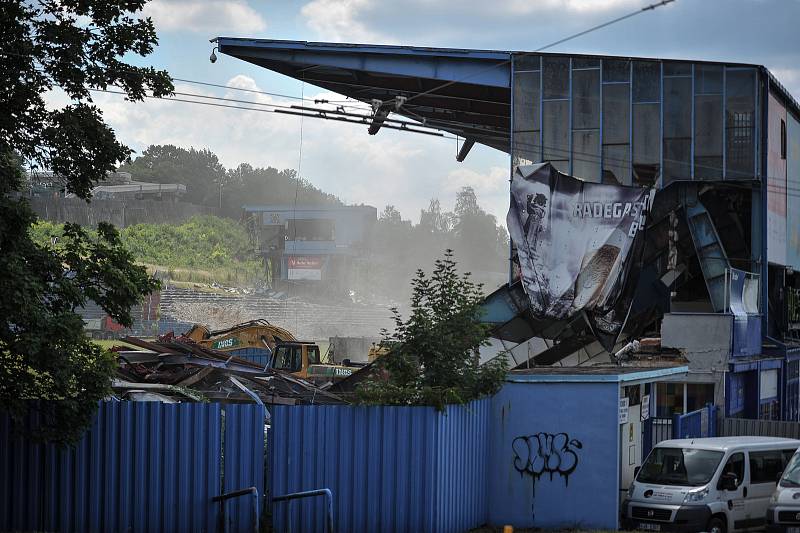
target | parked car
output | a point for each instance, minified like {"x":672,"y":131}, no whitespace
{"x":718,"y":485}
{"x":783,"y":513}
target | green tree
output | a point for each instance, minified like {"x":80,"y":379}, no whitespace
{"x":477,"y":236}
{"x":199,"y":170}
{"x":76,"y":46}
{"x":209,"y":183}
{"x":433,"y":357}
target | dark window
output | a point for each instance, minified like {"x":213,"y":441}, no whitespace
{"x":680,"y":466}
{"x":674,"y":68}
{"x":288,"y":358}
{"x":526,"y":62}
{"x":708,"y":137}
{"x":739,"y":123}
{"x":633,"y":394}
{"x":677,"y":128}
{"x":556,"y":77}
{"x":735,"y":465}
{"x":783,"y":139}
{"x":646,"y":81}
{"x":617,"y":164}
{"x":555,"y":133}
{"x":585,"y":62}
{"x":616,"y":133}
{"x":586,"y":155}
{"x":616,"y":70}
{"x":766,"y":466}
{"x":586,"y":99}
{"x":313,"y":355}
{"x":708,"y":79}
{"x":646,"y":143}
{"x":526,"y":117}
{"x":698,"y":395}
{"x":310,"y":230}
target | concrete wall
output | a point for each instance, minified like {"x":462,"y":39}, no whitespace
{"x":121,"y":213}
{"x":572,"y":478}
{"x":355,"y":349}
{"x":706,"y":340}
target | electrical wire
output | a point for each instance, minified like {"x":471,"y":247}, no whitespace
{"x":294,"y":207}
{"x":649,"y":7}
{"x":593,"y":158}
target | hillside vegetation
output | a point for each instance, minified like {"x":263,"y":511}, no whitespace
{"x":203,"y":249}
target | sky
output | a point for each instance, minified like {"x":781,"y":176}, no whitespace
{"x":401,"y":169}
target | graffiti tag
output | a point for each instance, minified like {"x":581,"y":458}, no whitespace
{"x":546,"y":453}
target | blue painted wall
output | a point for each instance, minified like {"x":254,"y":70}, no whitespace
{"x":570,"y":480}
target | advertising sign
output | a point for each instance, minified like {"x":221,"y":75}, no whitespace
{"x":303,"y":267}
{"x":623,"y":410}
{"x":577,"y":244}
{"x":645,"y":407}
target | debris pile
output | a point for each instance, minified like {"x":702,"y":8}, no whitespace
{"x":179,"y":370}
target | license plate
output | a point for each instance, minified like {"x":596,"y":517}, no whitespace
{"x":645,"y":526}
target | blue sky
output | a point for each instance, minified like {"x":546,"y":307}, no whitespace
{"x":401,"y":169}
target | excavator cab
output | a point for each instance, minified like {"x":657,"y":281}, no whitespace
{"x":295,"y":357}
{"x":302,"y":359}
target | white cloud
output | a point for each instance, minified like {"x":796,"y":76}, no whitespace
{"x":374,"y":21}
{"x":584,"y":7}
{"x":402,"y":169}
{"x":338,"y":20}
{"x":232,"y":16}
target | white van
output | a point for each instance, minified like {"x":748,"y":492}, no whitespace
{"x":783,"y":513}
{"x":717,"y":485}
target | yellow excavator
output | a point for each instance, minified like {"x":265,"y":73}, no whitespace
{"x":272,"y":346}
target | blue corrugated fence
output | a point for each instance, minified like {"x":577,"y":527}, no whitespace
{"x":389,"y":468}
{"x":697,"y":424}
{"x":142,"y":466}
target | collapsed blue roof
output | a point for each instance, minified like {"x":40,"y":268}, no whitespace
{"x":476,"y":105}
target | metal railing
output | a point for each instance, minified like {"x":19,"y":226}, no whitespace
{"x":309,"y":494}
{"x":223,"y":498}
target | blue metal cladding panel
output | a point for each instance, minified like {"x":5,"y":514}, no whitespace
{"x":141,"y":466}
{"x":244,"y":462}
{"x":389,"y":468}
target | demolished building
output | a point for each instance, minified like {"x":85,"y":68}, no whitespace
{"x":719,"y":143}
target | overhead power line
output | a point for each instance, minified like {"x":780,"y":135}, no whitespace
{"x":649,"y":7}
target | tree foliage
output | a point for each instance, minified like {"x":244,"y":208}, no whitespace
{"x":398,"y":247}
{"x":73,"y":45}
{"x":209,"y":183}
{"x":433,"y":357}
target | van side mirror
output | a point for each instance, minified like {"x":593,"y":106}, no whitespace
{"x":638,"y":469}
{"x":729,"y":481}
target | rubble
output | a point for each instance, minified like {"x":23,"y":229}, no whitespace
{"x":177,"y":369}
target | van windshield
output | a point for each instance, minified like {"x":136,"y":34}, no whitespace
{"x":791,"y":476}
{"x":679,"y":466}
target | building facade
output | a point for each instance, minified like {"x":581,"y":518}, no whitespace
{"x":719,"y":141}
{"x":310,"y":245}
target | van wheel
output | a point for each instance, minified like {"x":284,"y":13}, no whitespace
{"x":716,"y":525}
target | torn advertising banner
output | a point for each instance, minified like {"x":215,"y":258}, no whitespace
{"x":577,"y":244}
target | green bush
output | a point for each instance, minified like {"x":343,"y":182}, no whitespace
{"x":202,"y":249}
{"x":433,"y":354}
